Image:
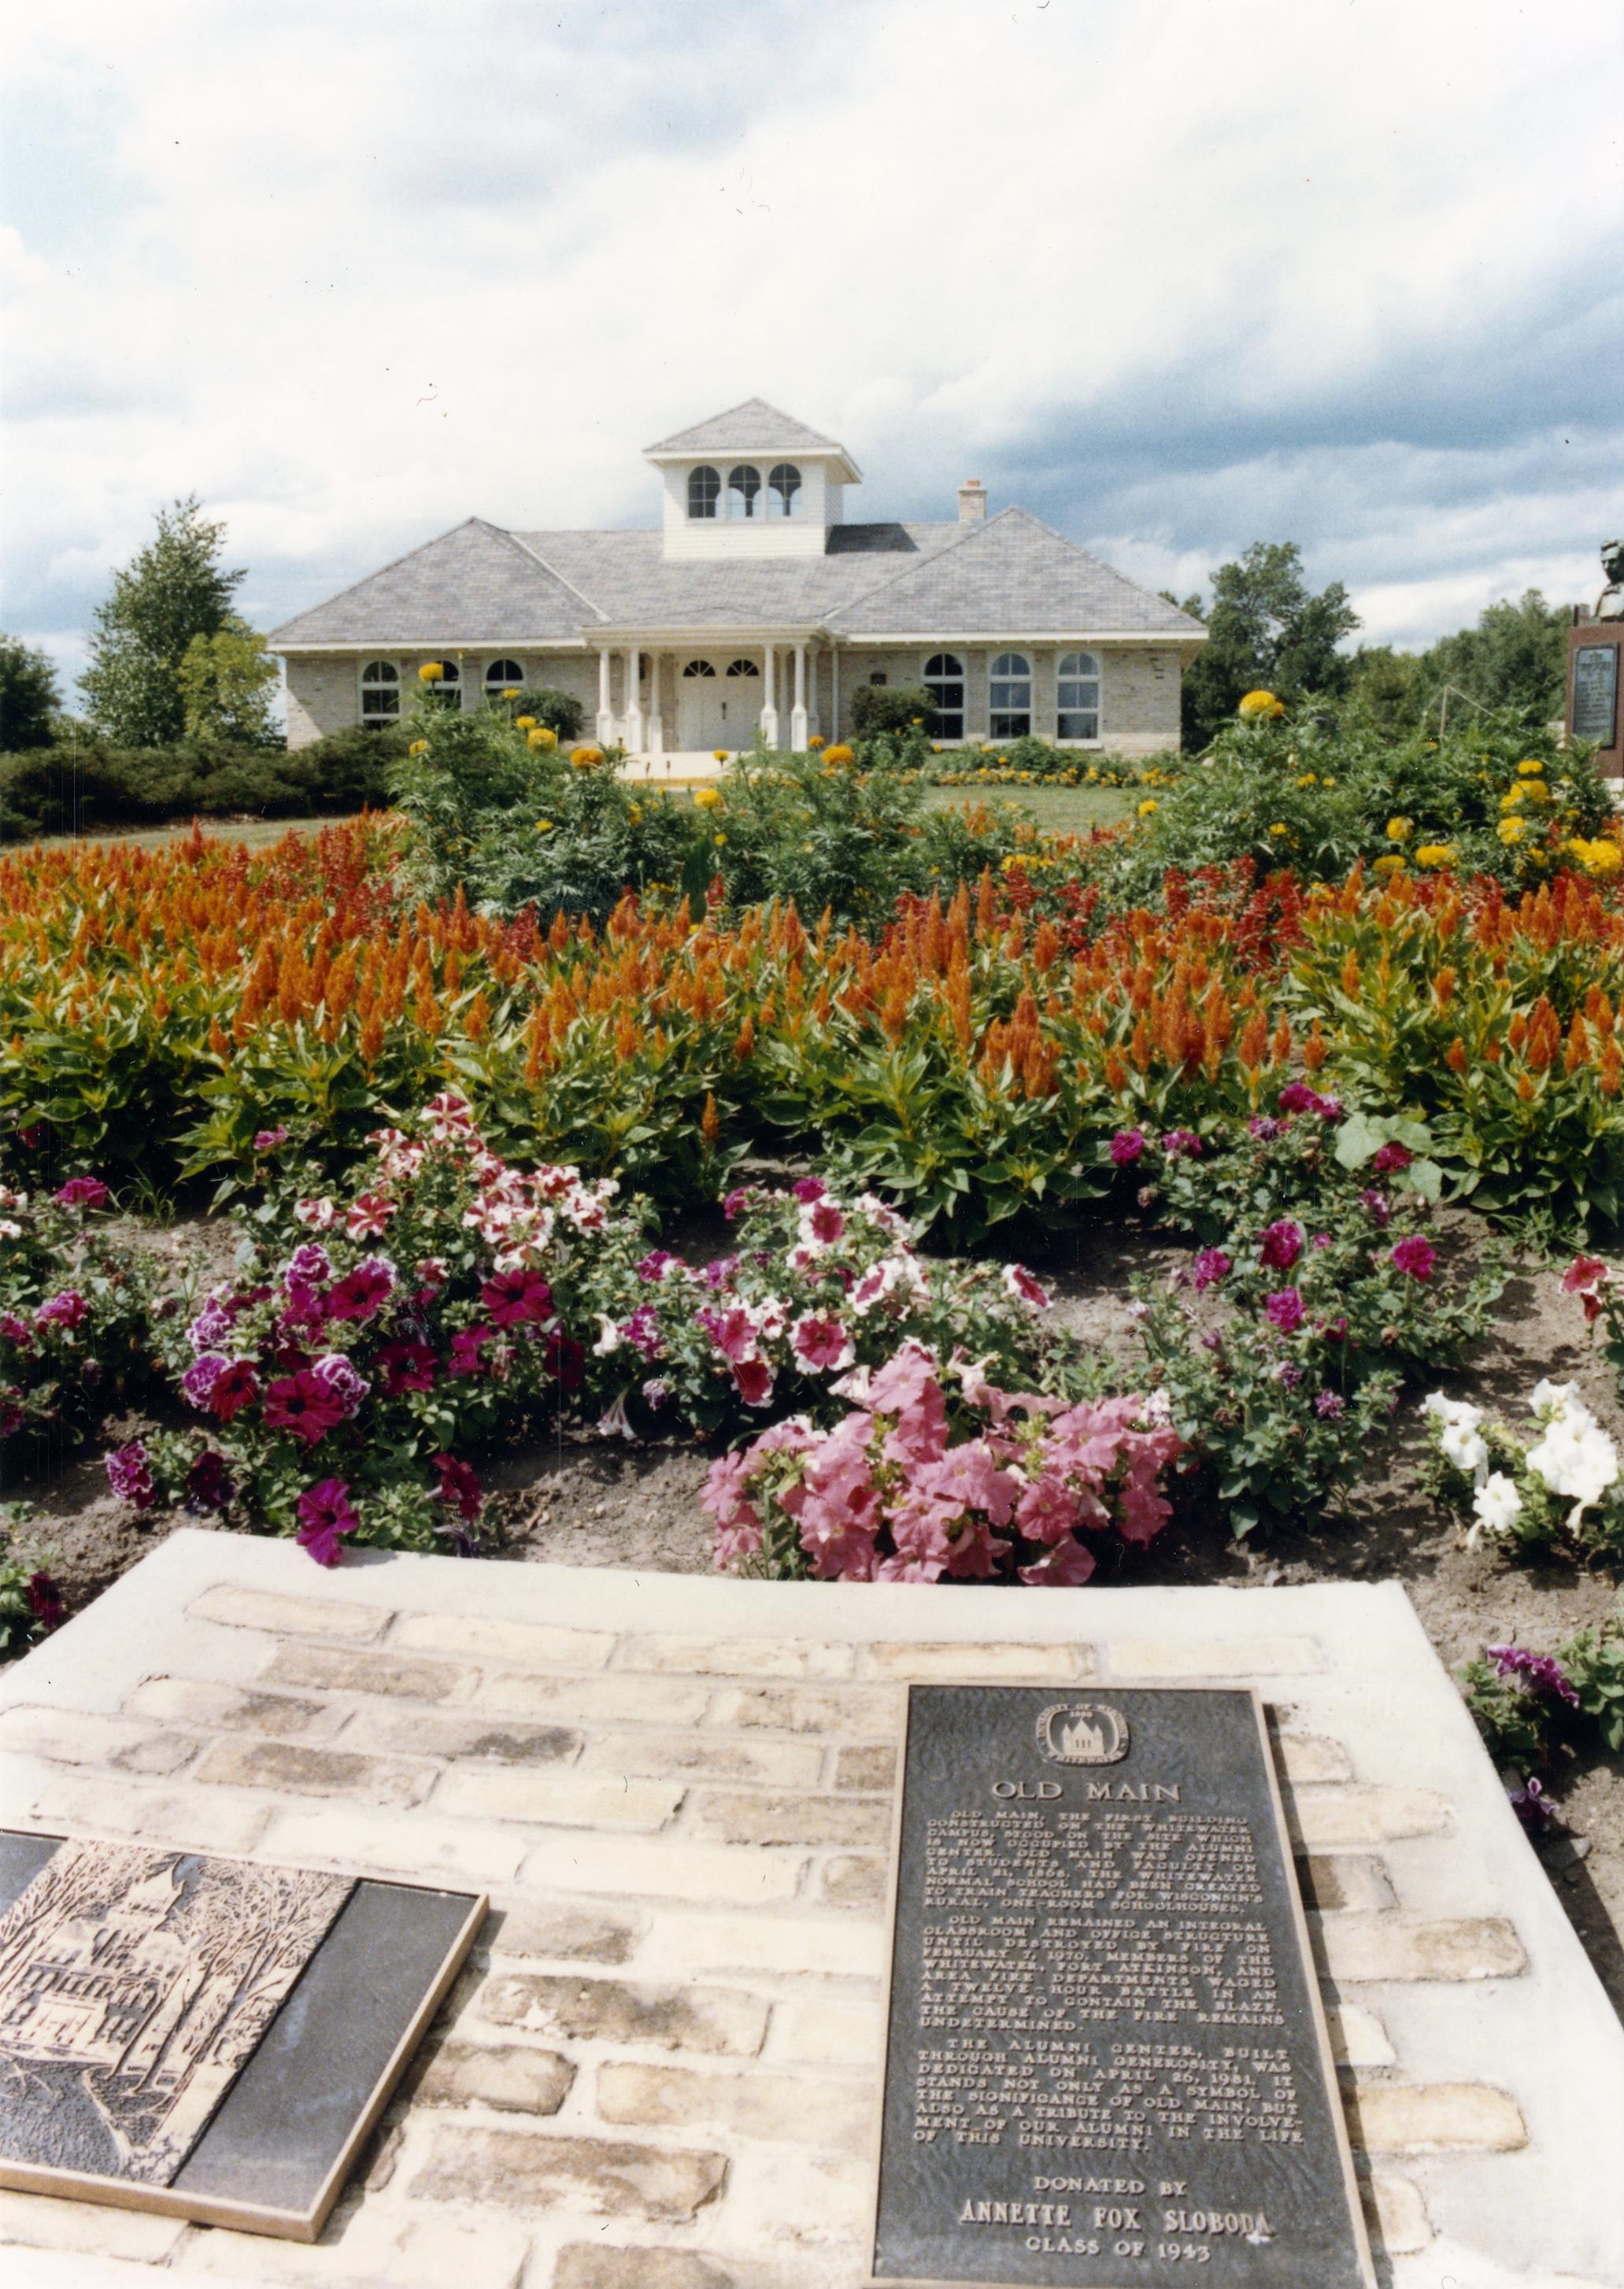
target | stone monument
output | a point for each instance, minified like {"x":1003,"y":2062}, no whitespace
{"x":1594,"y":645}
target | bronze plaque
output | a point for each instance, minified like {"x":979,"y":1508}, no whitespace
{"x":1596,"y":694}
{"x":212,"y":2038}
{"x":1107,"y":2063}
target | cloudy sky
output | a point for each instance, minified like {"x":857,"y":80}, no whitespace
{"x":1346,"y":272}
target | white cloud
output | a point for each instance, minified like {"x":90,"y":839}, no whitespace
{"x":1178,"y":279}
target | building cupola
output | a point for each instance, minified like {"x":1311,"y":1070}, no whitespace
{"x":752,"y":481}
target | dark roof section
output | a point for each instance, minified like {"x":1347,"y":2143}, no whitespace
{"x":753,"y":427}
{"x":476,"y":583}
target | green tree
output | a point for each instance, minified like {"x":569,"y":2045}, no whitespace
{"x":174,"y":590}
{"x":1516,"y":657}
{"x":29,"y":697}
{"x":1268,"y":628}
{"x":226,"y":682}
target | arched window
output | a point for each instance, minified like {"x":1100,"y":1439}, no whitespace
{"x":503,"y":675}
{"x":743,"y":491}
{"x":1010,"y":700}
{"x":1076,"y":697}
{"x":944,"y":680}
{"x":699,"y":667}
{"x":379,"y":695}
{"x":448,"y":690}
{"x":743,"y":668}
{"x":704,"y":490}
{"x":784,"y":490}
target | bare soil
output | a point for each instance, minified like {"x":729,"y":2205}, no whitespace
{"x":574,"y":1500}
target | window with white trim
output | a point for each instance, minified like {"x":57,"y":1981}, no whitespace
{"x":379,"y":695}
{"x":448,"y":690}
{"x":504,"y":679}
{"x":784,"y":494}
{"x":704,"y":491}
{"x":743,"y":491}
{"x":1076,"y":697}
{"x":944,"y":680}
{"x":1010,"y":696}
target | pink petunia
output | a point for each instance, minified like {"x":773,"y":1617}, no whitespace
{"x":1210,"y":1265}
{"x":1415,"y":1257}
{"x":821,"y":1344}
{"x":1282,"y":1244}
{"x":1019,"y":1283}
{"x":1284,"y":1311}
{"x":1588,"y":1277}
{"x":822,"y":1224}
{"x":324,"y":1513}
{"x":304,"y":1405}
{"x":369,"y":1215}
{"x":84,"y":1192}
{"x":516,"y":1299}
{"x":66,"y":1309}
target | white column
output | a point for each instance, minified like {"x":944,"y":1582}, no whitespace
{"x":605,"y":720}
{"x":654,"y":731}
{"x":769,"y":713}
{"x":797,"y":714}
{"x":632,"y":733}
{"x":834,"y":691}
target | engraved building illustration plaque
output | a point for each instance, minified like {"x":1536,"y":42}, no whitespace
{"x":210,"y":2037}
{"x":1105,"y":2058}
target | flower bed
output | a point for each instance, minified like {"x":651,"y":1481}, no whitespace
{"x":75,"y":1318}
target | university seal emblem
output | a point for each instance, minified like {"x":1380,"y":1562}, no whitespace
{"x":1082,"y":1733}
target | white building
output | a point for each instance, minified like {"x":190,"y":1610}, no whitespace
{"x":755,"y":604}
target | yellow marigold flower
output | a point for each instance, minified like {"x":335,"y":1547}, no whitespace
{"x":431,"y":670}
{"x":916,"y":722}
{"x":935,"y":750}
{"x":707,"y":798}
{"x":635,"y":814}
{"x":1435,"y":854}
{"x":815,"y":742}
{"x":521,"y":723}
{"x":512,"y":692}
{"x":544,"y":827}
{"x":1147,"y":807}
{"x":1603,"y":857}
{"x":1307,"y":779}
{"x":538,"y":736}
{"x":1391,"y":864}
{"x":417,"y":747}
{"x":1529,"y":769}
{"x":1329,"y":783}
{"x":1277,"y":828}
{"x":1399,"y":829}
{"x":1510,"y":830}
{"x":837,"y":754}
{"x":1260,"y":706}
{"x":1512,"y":799}
{"x":718,"y":840}
{"x":586,"y":758}
{"x":1535,"y":790}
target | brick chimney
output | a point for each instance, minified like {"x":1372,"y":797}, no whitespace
{"x":972,"y":502}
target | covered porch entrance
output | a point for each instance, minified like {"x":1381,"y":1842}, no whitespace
{"x":670,"y":696}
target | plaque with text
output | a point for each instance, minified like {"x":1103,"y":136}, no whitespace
{"x":212,"y":2038}
{"x":1106,"y":2065}
{"x":1595,"y":693}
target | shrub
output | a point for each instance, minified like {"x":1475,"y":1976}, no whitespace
{"x":882,"y":707}
{"x":67,"y":789}
{"x":936,"y":1472}
{"x":558,"y":712}
{"x":74,"y":1318}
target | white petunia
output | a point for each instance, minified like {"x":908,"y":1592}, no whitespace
{"x":1575,"y":1458}
{"x":1496,"y":1505}
{"x":1460,"y":1435}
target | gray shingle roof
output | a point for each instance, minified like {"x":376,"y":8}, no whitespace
{"x":1017,"y":574}
{"x":474,"y":585}
{"x":478,"y":584}
{"x":753,"y":427}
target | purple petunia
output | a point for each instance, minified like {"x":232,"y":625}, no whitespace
{"x":1415,"y":1257}
{"x":83,"y":1192}
{"x":325,"y":1512}
{"x":652,"y":1268}
{"x":1378,"y":1207}
{"x":347,"y":1387}
{"x":1266,"y":1128}
{"x":1210,"y":1265}
{"x":1281,"y":1245}
{"x":211,"y":1327}
{"x":1330,"y":1406}
{"x":129,"y":1470}
{"x":1540,"y":1670}
{"x":308,"y":1266}
{"x":1182,"y":1145}
{"x":197,"y":1383}
{"x":1126,"y":1147}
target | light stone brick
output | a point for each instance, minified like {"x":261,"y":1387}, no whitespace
{"x":799,"y":2109}
{"x":875,"y":1714}
{"x":717,"y":1756}
{"x":1139,"y":1660}
{"x":854,"y":1880}
{"x":1310,"y":1756}
{"x":561,"y":1930}
{"x":199,"y":1820}
{"x":382,"y":1724}
{"x":510,"y":2076}
{"x":1369,"y":1947}
{"x":293,"y":1767}
{"x":1322,"y":1818}
{"x":559,"y":1800}
{"x":739,"y":1945}
{"x":1357,"y":2037}
{"x":72,"y":1736}
{"x":717,"y":2020}
{"x":582,"y":2266}
{"x":40,"y":2221}
{"x":1344,"y":1879}
{"x":531,"y":2170}
{"x":873,"y":1769}
{"x":189,"y":1700}
{"x":336,"y":1671}
{"x":810,"y":1819}
{"x":284,"y":1616}
{"x":470,"y":1851}
{"x":780,"y":2196}
{"x":1395,"y":2117}
{"x":830,"y":2032}
{"x":660,"y":1868}
{"x":1397,"y":2214}
{"x":504,"y":1645}
{"x":951,"y":1665}
{"x":618,"y":1698}
{"x":779,"y":1657}
{"x":374,"y":2245}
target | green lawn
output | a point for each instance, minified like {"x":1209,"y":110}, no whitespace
{"x":256,"y":832}
{"x":1062,"y":811}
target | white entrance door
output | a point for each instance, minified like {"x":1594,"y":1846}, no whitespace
{"x":718,"y":704}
